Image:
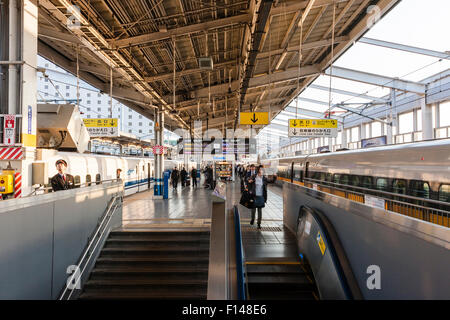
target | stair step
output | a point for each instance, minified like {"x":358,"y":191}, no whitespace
{"x":156,"y":241}
{"x":159,"y":234}
{"x":152,"y":261}
{"x":152,"y":269}
{"x":143,"y":274}
{"x":136,"y":294}
{"x":146,"y":283}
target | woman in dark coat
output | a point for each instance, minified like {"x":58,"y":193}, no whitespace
{"x":257,"y":187}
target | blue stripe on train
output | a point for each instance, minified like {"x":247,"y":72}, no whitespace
{"x":134,"y":183}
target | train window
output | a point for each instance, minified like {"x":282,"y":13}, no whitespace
{"x":88,"y":180}
{"x":367,"y":182}
{"x":98,"y":178}
{"x":344,"y":179}
{"x":329,"y":177}
{"x":382,"y":184}
{"x":317,"y":175}
{"x":336,"y":178}
{"x":419,"y":189}
{"x":354,"y":180}
{"x":444,"y":193}
{"x":399,"y":186}
{"x":76,"y":181}
{"x":297,"y":175}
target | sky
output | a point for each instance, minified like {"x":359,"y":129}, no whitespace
{"x":419,"y":23}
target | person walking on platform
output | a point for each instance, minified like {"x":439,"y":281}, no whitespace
{"x":174,"y":177}
{"x":183,"y":175}
{"x":257,"y":186}
{"x":62,"y":180}
{"x":194,"y":177}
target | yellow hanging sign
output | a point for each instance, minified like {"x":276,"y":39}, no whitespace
{"x":101,"y":123}
{"x":312,"y":123}
{"x":254,"y":118}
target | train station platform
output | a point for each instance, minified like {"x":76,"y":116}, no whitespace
{"x":189,"y":207}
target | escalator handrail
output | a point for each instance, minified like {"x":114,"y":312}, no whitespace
{"x":239,"y":256}
{"x":338,"y":255}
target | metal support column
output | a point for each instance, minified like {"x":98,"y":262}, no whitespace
{"x":343,"y":138}
{"x":18,"y":83}
{"x":427,"y":120}
{"x":159,"y":158}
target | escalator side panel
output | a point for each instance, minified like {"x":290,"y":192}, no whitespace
{"x":314,"y":243}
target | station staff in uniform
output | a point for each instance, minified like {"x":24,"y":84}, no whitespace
{"x":62,"y":180}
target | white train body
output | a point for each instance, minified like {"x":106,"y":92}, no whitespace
{"x":138,"y":173}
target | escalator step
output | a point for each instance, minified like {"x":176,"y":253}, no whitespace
{"x":277,"y":279}
{"x":145,"y":274}
{"x":292,"y":295}
{"x":274,"y":268}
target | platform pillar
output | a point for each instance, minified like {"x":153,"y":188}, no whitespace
{"x":427,"y":119}
{"x":18,"y":80}
{"x":159,"y":158}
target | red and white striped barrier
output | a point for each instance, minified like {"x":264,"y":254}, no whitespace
{"x":17,"y":185}
{"x":11,"y":153}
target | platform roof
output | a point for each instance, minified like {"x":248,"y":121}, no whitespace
{"x":254,"y":46}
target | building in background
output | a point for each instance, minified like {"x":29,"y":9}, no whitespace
{"x":61,"y":87}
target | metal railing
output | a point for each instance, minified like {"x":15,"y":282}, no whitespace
{"x":434,"y":211}
{"x":408,"y":137}
{"x":43,"y":189}
{"x":90,"y":250}
{"x":239,"y":256}
{"x":443,"y":132}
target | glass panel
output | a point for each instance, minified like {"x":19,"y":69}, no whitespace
{"x":444,"y":114}
{"x":336,"y":178}
{"x":367,"y":182}
{"x":444,"y":193}
{"x":399,"y":186}
{"x":354,"y":180}
{"x":406,"y":122}
{"x":344,"y":179}
{"x":382,"y":184}
{"x":376,"y":129}
{"x":419,"y":120}
{"x":355,"y":134}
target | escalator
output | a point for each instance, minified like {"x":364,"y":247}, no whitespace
{"x":151,"y":265}
{"x":311,"y":267}
{"x":280,"y":280}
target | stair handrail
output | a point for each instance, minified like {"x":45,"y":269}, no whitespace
{"x":88,"y":253}
{"x":239,"y":256}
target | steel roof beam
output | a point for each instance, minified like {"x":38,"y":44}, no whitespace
{"x":305,"y":46}
{"x":348,"y":93}
{"x":377,"y":80}
{"x":194,"y":28}
{"x":406,"y":48}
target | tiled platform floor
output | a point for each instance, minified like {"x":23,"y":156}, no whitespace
{"x":191,"y":207}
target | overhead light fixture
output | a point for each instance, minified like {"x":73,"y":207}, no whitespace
{"x":205,"y":63}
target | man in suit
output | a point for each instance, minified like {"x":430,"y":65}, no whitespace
{"x":183,"y":175}
{"x":174,"y":176}
{"x":62,"y":180}
{"x":194,"y":177}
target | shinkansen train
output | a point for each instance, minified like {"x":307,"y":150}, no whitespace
{"x":88,"y":168}
{"x":413,"y":171}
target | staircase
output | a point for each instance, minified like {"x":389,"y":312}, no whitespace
{"x":151,"y":265}
{"x":273,"y":280}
